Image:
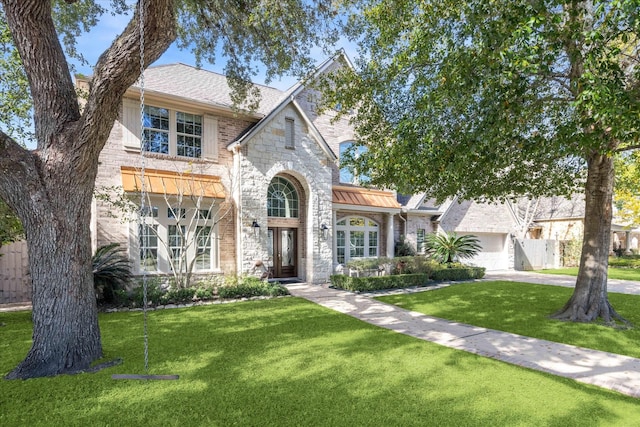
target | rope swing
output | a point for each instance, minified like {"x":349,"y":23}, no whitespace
{"x":142,"y":215}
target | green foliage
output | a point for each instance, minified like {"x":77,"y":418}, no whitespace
{"x":448,"y":248}
{"x":404,"y":248}
{"x":414,"y":264}
{"x":418,"y":272}
{"x":570,"y":252}
{"x":458,"y":273}
{"x":111,"y":272}
{"x":626,"y":198}
{"x":375,"y":283}
{"x":489,"y":100}
{"x":249,"y":286}
{"x":626,"y":261}
{"x":10,"y":225}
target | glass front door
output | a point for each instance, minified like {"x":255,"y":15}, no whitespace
{"x":282,"y":251}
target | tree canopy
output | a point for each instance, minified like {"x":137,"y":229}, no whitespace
{"x":492,"y":99}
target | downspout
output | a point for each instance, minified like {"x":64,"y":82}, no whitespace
{"x":237,"y":167}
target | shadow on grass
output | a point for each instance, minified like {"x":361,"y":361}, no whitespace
{"x":524,"y":309}
{"x":288,"y":362}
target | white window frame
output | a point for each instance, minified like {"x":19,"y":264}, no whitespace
{"x":345,"y":229}
{"x":130,"y":121}
{"x":163,"y":219}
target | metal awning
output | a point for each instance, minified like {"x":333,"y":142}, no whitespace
{"x":174,"y":183}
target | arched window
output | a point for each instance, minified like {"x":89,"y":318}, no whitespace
{"x":282,"y":199}
{"x":356,"y":237}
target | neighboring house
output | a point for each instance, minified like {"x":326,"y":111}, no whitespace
{"x":561,"y":218}
{"x":492,"y":223}
{"x":260,"y":187}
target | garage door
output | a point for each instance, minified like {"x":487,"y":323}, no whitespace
{"x":494,"y":254}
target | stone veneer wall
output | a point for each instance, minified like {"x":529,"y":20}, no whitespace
{"x":265,"y":156}
{"x":107,"y":223}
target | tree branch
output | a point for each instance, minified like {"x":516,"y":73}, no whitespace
{"x":18,"y":165}
{"x":119,"y":67}
{"x":52,"y":89}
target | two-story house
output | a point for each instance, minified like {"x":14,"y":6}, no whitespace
{"x":262,"y":186}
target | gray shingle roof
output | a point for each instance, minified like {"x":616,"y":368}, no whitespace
{"x":559,"y":207}
{"x":201,"y":85}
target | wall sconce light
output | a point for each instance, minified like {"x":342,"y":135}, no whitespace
{"x":324,"y":230}
{"x":256,"y":228}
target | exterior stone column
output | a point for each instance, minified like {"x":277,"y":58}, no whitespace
{"x":627,"y":242}
{"x":390,"y":242}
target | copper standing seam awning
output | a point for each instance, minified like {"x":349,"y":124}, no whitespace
{"x":167,"y":182}
{"x":364,"y":197}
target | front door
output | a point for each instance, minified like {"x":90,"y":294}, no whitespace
{"x":282,"y":251}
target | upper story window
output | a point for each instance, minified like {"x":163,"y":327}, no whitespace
{"x":166,"y":130}
{"x":172,"y":132}
{"x":347,"y":174}
{"x":289,"y":133}
{"x":282,"y":199}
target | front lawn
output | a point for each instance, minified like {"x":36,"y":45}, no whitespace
{"x":613,"y":273}
{"x":524,"y":309}
{"x":288,"y":362}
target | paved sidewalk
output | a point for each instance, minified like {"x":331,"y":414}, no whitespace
{"x":608,"y":370}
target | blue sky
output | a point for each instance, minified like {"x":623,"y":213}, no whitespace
{"x":92,"y":44}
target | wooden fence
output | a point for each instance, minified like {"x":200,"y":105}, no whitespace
{"x":15,"y":285}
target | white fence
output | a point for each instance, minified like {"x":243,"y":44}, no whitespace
{"x":15,"y":285}
{"x":536,"y":254}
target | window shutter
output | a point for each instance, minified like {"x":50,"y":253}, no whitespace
{"x":210,"y":137}
{"x":130,"y":121}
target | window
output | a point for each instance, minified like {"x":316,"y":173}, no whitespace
{"x":289,"y":133}
{"x":178,"y":237}
{"x":189,"y":135}
{"x":362,"y":236}
{"x":420,"y":234}
{"x":172,"y":132}
{"x":156,"y":129}
{"x":282,"y":199}
{"x":148,"y":240}
{"x":347,"y":173}
{"x":203,"y":248}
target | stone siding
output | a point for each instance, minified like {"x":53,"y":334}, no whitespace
{"x":307,"y":167}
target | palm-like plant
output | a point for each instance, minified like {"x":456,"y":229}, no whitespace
{"x":448,"y":248}
{"x":111,"y":271}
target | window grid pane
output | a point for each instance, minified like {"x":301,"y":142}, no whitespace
{"x":156,"y":130}
{"x":189,"y":134}
{"x":282,"y":199}
{"x":203,"y":249}
{"x":148,"y":240}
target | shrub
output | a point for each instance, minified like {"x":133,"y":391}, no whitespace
{"x":154,"y":292}
{"x":403,"y":248}
{"x":458,"y":273}
{"x":178,"y":296}
{"x":249,"y":286}
{"x":448,"y":248}
{"x":111,"y":272}
{"x":413,"y":265}
{"x":375,"y":283}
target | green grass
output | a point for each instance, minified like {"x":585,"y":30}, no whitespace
{"x":524,"y":309}
{"x":613,"y":273}
{"x":288,"y":362}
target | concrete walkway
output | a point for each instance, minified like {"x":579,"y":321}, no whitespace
{"x":612,"y":371}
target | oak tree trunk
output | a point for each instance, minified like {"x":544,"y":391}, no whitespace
{"x":51,"y":188}
{"x":66,"y":336}
{"x":589,"y":300}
